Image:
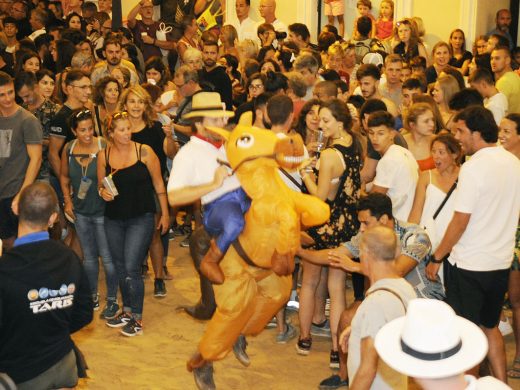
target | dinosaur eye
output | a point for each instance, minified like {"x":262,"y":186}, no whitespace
{"x":245,"y":141}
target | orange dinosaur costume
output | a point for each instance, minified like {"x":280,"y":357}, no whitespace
{"x":258,"y":267}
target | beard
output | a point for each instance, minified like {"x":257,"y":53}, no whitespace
{"x":210,"y":63}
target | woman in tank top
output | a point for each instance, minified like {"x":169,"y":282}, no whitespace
{"x":147,"y":131}
{"x":432,"y":187}
{"x":420,"y":126}
{"x":129,"y":174}
{"x":78,"y":179}
{"x":339,"y":184}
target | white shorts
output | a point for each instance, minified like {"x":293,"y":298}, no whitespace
{"x":335,"y":8}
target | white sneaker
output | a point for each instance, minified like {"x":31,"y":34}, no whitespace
{"x":505,"y":327}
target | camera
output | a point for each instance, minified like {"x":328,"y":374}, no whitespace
{"x":280,"y":35}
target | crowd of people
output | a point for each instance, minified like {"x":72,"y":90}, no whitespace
{"x":105,"y":139}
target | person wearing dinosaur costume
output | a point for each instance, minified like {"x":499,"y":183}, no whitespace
{"x":258,"y":265}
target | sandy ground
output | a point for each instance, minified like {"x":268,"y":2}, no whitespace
{"x":157,"y":359}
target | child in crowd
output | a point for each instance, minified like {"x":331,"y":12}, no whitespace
{"x":364,"y":7}
{"x":336,"y":8}
{"x":385,"y":22}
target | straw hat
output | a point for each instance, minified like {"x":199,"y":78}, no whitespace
{"x":207,"y":104}
{"x":431,"y":341}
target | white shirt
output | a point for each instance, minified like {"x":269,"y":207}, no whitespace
{"x":489,"y":190}
{"x":246,"y":29}
{"x":280,"y":26}
{"x":195,"y":164}
{"x":484,"y":383}
{"x":398,"y":171}
{"x":498,"y":105}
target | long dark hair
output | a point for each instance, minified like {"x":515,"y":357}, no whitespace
{"x":341,"y":113}
{"x":301,"y":126}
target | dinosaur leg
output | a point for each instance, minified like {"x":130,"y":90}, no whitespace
{"x":273,"y":292}
{"x":235,"y":305}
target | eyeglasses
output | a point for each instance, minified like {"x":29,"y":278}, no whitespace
{"x":83,"y":87}
{"x":255,"y":87}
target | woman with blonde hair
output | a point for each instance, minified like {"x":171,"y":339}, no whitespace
{"x":193,"y":58}
{"x":229,"y":39}
{"x":247,"y":49}
{"x":133,"y":171}
{"x":441,"y":55}
{"x":420,"y":124}
{"x":443,"y":90}
{"x":335,"y":61}
{"x":147,"y":131}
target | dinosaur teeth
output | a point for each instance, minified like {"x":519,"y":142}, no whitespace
{"x":293,"y":159}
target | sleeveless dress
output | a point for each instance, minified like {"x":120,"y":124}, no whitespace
{"x":436,"y":228}
{"x":343,"y":223}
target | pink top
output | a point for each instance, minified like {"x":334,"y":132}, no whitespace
{"x":384,"y":28}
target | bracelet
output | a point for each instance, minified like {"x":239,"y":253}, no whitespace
{"x":99,"y":190}
{"x":432,"y":260}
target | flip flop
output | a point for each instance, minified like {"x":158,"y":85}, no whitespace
{"x":514,"y":371}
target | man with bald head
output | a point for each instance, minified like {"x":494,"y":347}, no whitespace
{"x":386,"y":299}
{"x":503,"y":22}
{"x":267,"y":10}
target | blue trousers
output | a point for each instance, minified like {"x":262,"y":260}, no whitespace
{"x":224,"y":217}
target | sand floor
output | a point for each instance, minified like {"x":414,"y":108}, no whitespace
{"x":157,"y":359}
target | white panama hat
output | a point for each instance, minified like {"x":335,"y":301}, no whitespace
{"x":431,"y":341}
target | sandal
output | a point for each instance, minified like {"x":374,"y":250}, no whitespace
{"x":514,"y":371}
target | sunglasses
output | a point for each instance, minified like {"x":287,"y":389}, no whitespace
{"x":83,"y":114}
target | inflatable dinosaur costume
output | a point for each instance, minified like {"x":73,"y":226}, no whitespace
{"x":258,"y":266}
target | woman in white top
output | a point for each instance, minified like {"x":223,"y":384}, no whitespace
{"x":433,"y":187}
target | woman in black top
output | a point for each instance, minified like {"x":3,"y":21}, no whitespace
{"x":134,"y":171}
{"x":461,"y":58}
{"x":137,"y":102}
{"x":409,"y":45}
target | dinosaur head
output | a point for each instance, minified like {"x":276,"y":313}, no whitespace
{"x":247,"y":143}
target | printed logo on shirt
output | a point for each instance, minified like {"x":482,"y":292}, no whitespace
{"x":46,"y":299}
{"x":6,"y":137}
{"x":56,"y":129}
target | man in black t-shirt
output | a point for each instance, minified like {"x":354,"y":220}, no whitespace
{"x":78,"y":89}
{"x":215,"y":75}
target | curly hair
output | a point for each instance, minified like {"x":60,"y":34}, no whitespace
{"x":99,"y":89}
{"x":140,"y":92}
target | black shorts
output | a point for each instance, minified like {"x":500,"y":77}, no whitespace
{"x":477,"y":295}
{"x":8,"y":220}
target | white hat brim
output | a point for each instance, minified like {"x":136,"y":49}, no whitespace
{"x":474,"y":349}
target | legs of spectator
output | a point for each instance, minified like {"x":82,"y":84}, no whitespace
{"x":320,"y":297}
{"x":199,"y":245}
{"x":310,"y":279}
{"x":496,"y":353}
{"x":138,"y":236}
{"x":157,"y":251}
{"x":341,"y":23}
{"x":86,"y":230}
{"x":115,"y":232}
{"x":336,"y":284}
{"x":108,"y":263}
{"x":514,"y":298}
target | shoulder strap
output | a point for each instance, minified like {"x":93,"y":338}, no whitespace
{"x":292,"y":179}
{"x":71,"y":147}
{"x":394,"y":293}
{"x":430,"y":172}
{"x":439,"y":209}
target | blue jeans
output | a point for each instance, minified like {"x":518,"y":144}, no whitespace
{"x":224,"y":217}
{"x":93,"y":240}
{"x":129,"y":241}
